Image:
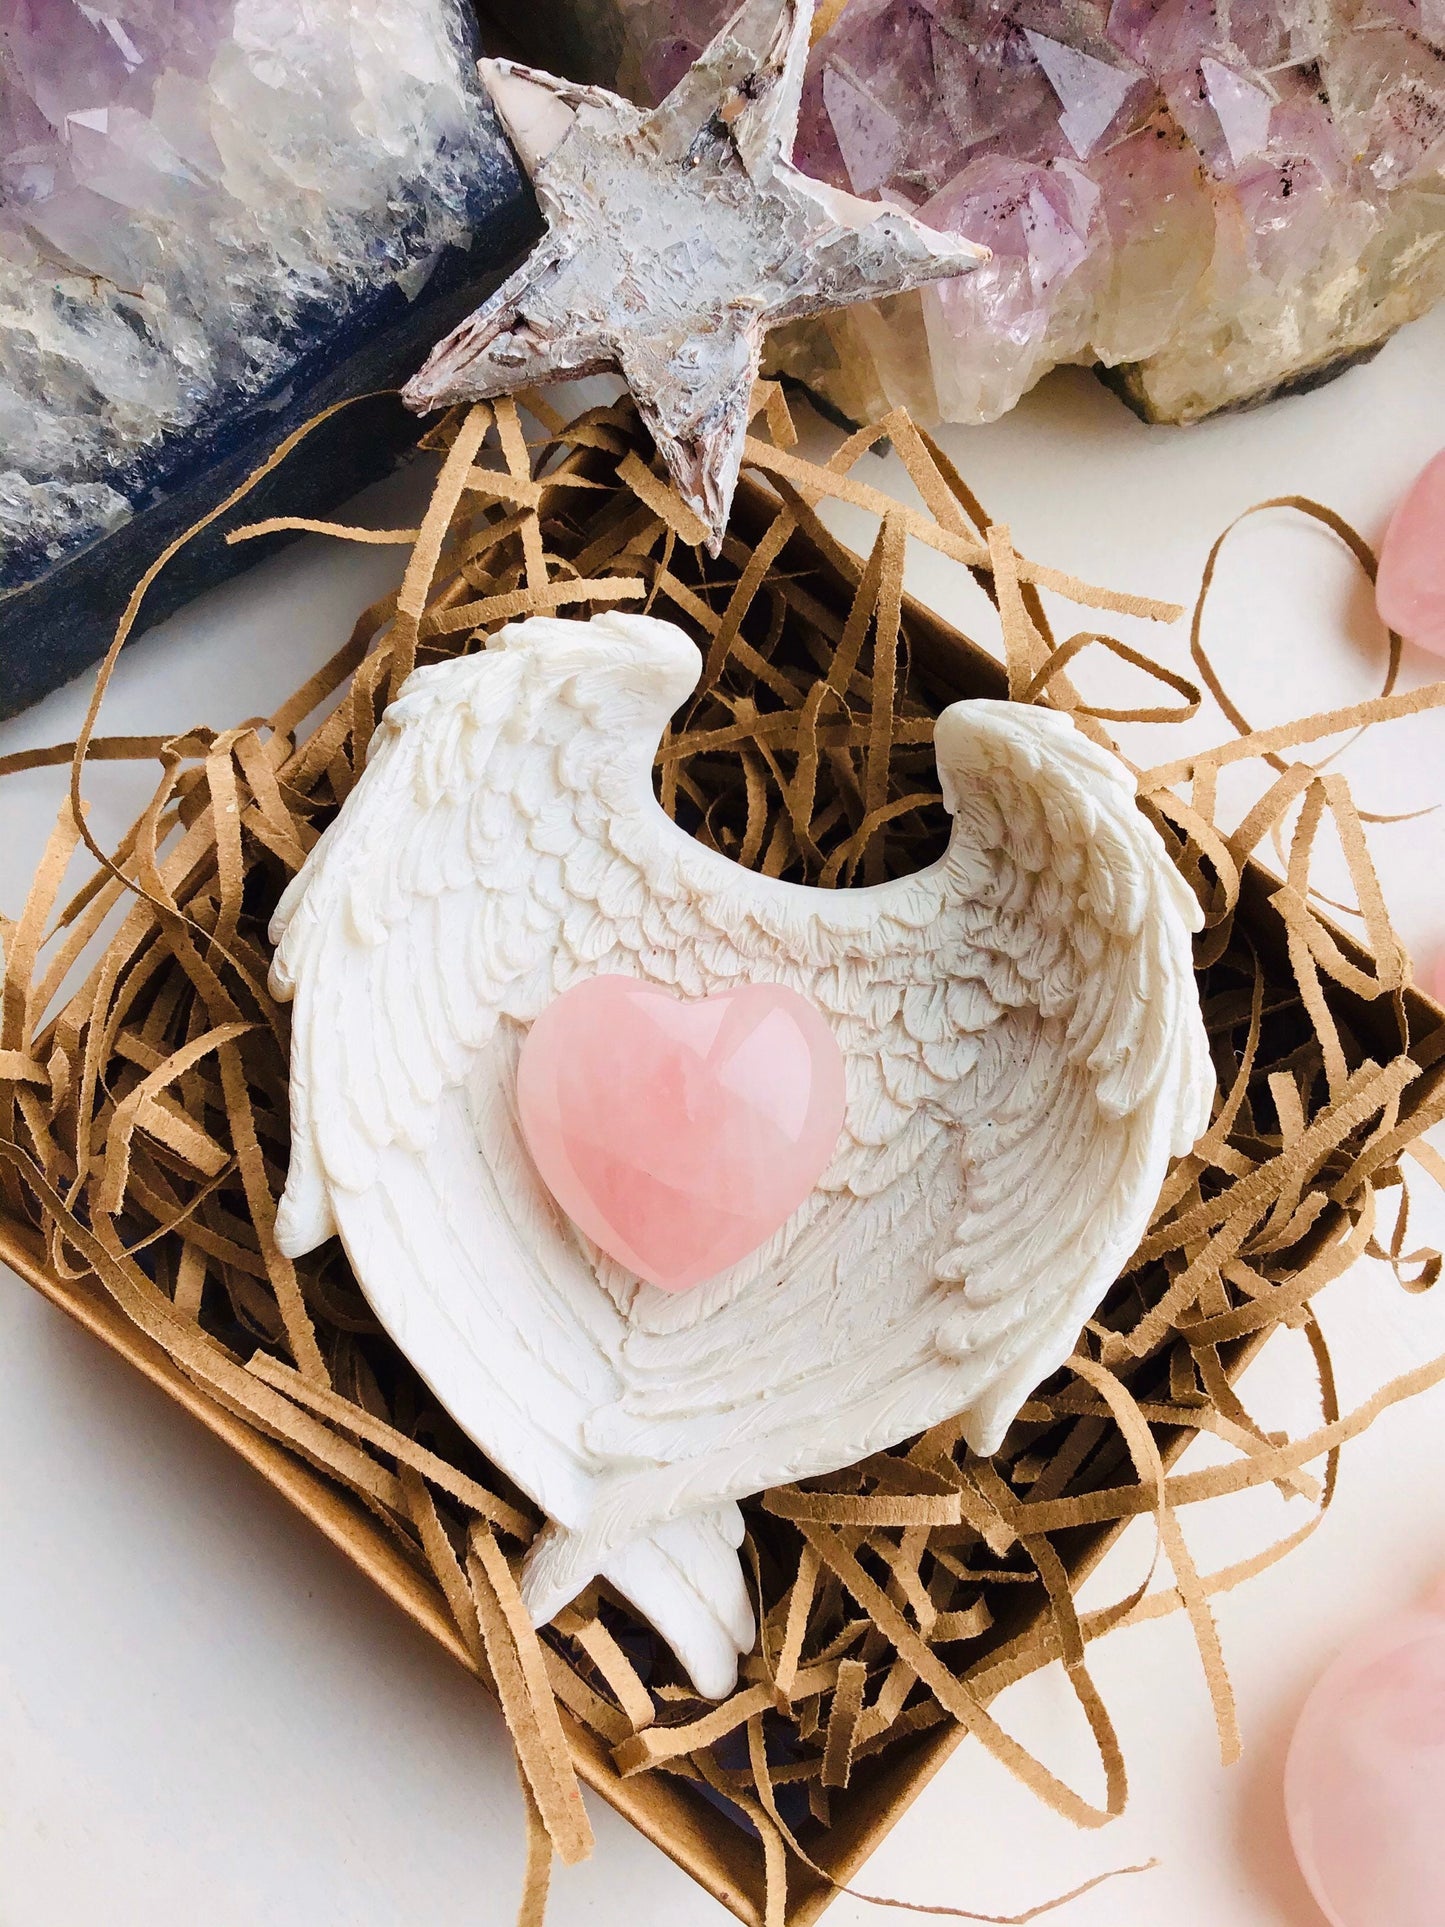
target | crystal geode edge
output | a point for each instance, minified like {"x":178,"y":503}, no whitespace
{"x":215,"y":225}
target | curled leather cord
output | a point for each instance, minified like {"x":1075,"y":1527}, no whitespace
{"x":143,"y":1124}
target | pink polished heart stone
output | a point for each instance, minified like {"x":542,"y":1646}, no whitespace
{"x":1410,"y":591}
{"x":1365,"y":1778}
{"x":680,"y":1136}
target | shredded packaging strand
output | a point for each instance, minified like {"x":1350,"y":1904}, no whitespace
{"x":143,"y":1144}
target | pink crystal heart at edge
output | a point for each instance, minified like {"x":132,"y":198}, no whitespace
{"x":1410,"y":590}
{"x":680,"y":1135}
{"x":1365,"y":1777}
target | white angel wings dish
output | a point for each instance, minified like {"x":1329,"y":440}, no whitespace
{"x":1024,"y":1053}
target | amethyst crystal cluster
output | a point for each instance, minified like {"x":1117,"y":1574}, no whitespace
{"x":215,"y":215}
{"x":1212,"y":199}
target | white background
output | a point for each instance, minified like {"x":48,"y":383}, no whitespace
{"x":207,"y":1716}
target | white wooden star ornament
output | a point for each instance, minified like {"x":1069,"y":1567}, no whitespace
{"x":675,"y":239}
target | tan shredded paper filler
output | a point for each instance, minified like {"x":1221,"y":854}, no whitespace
{"x":143,"y":1145}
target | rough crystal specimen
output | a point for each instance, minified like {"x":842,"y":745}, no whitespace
{"x":206,"y":206}
{"x":1213,"y":199}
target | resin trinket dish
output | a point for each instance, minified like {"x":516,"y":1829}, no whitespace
{"x":1024,"y":1055}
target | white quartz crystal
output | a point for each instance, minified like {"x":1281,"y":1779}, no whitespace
{"x":187,"y":194}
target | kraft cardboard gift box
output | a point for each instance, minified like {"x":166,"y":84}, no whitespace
{"x":720,"y":1851}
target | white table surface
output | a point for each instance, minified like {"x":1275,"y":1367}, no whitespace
{"x":207,"y":1716}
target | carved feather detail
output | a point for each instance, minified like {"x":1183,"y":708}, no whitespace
{"x":1024,"y":1053}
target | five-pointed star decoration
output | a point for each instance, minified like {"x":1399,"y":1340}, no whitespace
{"x":675,"y":239}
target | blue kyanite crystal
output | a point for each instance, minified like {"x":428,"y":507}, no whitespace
{"x":216,"y":217}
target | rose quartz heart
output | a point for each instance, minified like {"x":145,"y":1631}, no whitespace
{"x":679,"y":1136}
{"x":1365,"y":1778}
{"x":1410,"y":591}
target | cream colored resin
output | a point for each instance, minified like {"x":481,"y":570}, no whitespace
{"x":1024,"y":1053}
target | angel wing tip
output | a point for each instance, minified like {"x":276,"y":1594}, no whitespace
{"x":1198,"y":1121}
{"x":304,"y":1218}
{"x":984,"y":1434}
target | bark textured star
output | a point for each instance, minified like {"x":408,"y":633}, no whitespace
{"x":675,"y":239}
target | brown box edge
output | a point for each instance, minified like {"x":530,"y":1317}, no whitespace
{"x":722,"y":1859}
